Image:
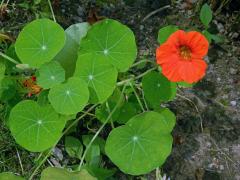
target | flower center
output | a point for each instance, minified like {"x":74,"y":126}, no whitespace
{"x":185,"y":52}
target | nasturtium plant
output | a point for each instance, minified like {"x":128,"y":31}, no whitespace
{"x":52,"y":173}
{"x":34,"y":127}
{"x":50,"y":74}
{"x":73,"y":86}
{"x":39,"y":42}
{"x":157,"y":88}
{"x":100,"y":75}
{"x":144,"y":143}
{"x":110,"y":41}
{"x":165,"y":32}
{"x":70,"y":97}
{"x":67,"y":57}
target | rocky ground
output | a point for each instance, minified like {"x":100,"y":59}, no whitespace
{"x":207,"y":135}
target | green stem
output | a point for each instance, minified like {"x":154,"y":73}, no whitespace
{"x":66,"y":130}
{"x":99,"y":130}
{"x":135,"y":78}
{"x":8,"y":58}
{"x":138,"y":98}
{"x":50,"y":5}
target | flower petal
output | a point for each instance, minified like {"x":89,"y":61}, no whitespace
{"x":171,"y":71}
{"x":198,"y":44}
{"x":177,"y":38}
{"x":164,"y":51}
{"x":192,"y":71}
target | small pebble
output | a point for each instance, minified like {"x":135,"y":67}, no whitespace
{"x":233,"y":103}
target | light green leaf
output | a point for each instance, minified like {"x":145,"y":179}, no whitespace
{"x":9,"y":176}
{"x":39,"y":42}
{"x":111,"y":41}
{"x":100,"y":76}
{"x":206,"y":15}
{"x":52,"y":173}
{"x":69,"y":98}
{"x":34,"y":127}
{"x":170,"y":118}
{"x":73,"y":147}
{"x":157,"y":88}
{"x":165,"y":32}
{"x":101,"y":173}
{"x":50,"y":74}
{"x":143,"y":143}
{"x":67,"y":57}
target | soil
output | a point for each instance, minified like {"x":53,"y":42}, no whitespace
{"x":206,"y":137}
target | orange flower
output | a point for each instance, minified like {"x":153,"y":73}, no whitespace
{"x":181,"y":56}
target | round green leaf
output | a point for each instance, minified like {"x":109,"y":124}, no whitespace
{"x":165,"y":32}
{"x":67,"y":57}
{"x":50,"y":74}
{"x":52,"y":173}
{"x":111,"y":41}
{"x":206,"y":14}
{"x":39,"y":42}
{"x":141,"y":145}
{"x":100,"y":76}
{"x":70,"y":97}
{"x":157,"y":88}
{"x":9,"y":176}
{"x":36,"y":128}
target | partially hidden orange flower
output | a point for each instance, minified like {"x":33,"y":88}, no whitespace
{"x":181,"y":56}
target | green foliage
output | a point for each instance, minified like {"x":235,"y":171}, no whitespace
{"x":39,"y":42}
{"x":67,"y":57}
{"x":50,"y":74}
{"x":144,"y":143}
{"x":99,"y":74}
{"x":73,"y":147}
{"x":79,"y":67}
{"x":2,"y":69}
{"x":7,"y":89}
{"x":103,"y":111}
{"x":127,"y":111}
{"x":9,"y":176}
{"x":70,"y":97}
{"x":157,"y":88}
{"x":34,"y":127}
{"x":110,"y":41}
{"x":206,"y":15}
{"x":165,"y":32}
{"x":52,"y":173}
